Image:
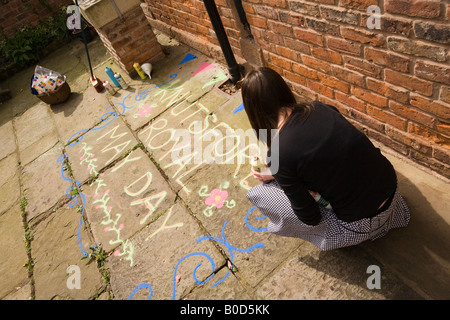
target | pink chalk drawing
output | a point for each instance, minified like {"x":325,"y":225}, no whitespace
{"x":203,"y":67}
{"x":145,"y":111}
{"x":216,"y":198}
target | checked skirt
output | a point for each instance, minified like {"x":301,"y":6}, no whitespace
{"x":331,"y":233}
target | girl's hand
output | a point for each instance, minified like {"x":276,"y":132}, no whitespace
{"x":263,"y":177}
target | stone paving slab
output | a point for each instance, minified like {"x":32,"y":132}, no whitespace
{"x":169,"y":257}
{"x":43,"y":191}
{"x":33,"y":125}
{"x":336,"y":275}
{"x":230,"y":289}
{"x":7,"y":139}
{"x":88,"y":107}
{"x":57,"y":247}
{"x":9,"y":182}
{"x":9,"y":193}
{"x":12,"y":273}
{"x":124,"y":199}
{"x":99,"y":147}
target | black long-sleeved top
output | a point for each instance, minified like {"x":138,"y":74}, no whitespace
{"x":327,"y":154}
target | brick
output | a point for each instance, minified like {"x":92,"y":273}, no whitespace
{"x":333,"y":82}
{"x":386,"y":141}
{"x":257,"y":21}
{"x":438,"y":108}
{"x":409,"y":82}
{"x":308,"y":36}
{"x":414,"y":8}
{"x":357,"y":4}
{"x":441,"y":154}
{"x":443,"y":127}
{"x":316,"y":64}
{"x":344,"y":46}
{"x":321,"y":89}
{"x":304,"y":93}
{"x":276,"y":3}
{"x":395,"y":24}
{"x":409,"y":140}
{"x":281,"y":28}
{"x":427,"y":161}
{"x":432,"y":71}
{"x":432,"y":31}
{"x":275,"y":68}
{"x":265,"y":11}
{"x":366,"y":37}
{"x":367,"y":120}
{"x":304,"y":8}
{"x":429,"y":135}
{"x":445,"y":94}
{"x":326,"y":1}
{"x":349,"y":76}
{"x":288,"y":53}
{"x":327,"y":55}
{"x":340,"y":15}
{"x":291,"y":18}
{"x":412,"y":114}
{"x":417,"y":48}
{"x":295,"y":78}
{"x":396,"y":121}
{"x":272,"y":37}
{"x":248,"y":7}
{"x":383,"y":58}
{"x":323,"y":26}
{"x":281,"y":62}
{"x":351,"y":101}
{"x":386,"y":117}
{"x":369,"y":97}
{"x":363,"y":67}
{"x":305,"y":72}
{"x":387,"y":90}
{"x":298,"y":46}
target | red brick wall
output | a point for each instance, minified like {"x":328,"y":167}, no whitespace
{"x":393,"y":83}
{"x":131,"y":40}
{"x":190,"y":16}
{"x":16,"y":13}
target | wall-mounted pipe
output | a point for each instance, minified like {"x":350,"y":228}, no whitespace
{"x":233,"y":66}
{"x":243,"y":18}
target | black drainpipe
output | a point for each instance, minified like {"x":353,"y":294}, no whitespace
{"x":233,"y":66}
{"x":243,"y":17}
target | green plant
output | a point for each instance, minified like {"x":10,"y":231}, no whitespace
{"x":28,"y":42}
{"x":18,"y":49}
{"x":99,"y":255}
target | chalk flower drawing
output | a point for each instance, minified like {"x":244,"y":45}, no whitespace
{"x":217,"y":198}
{"x":145,"y":111}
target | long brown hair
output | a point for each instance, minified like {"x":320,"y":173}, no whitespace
{"x":265,"y":94}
